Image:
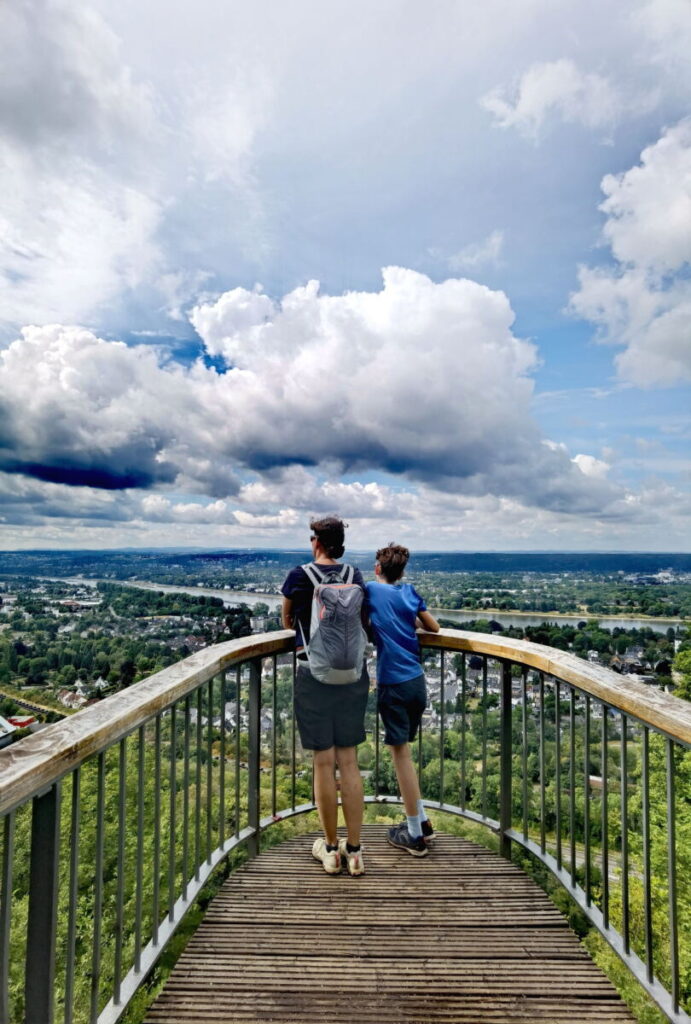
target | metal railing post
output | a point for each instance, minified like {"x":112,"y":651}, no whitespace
{"x":254,"y":754}
{"x":43,"y":907}
{"x":505,"y":777}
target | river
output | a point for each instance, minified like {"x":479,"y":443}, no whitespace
{"x":520,"y":619}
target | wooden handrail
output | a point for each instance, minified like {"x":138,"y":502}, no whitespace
{"x":649,"y":705}
{"x":38,"y":761}
{"x":42,"y":759}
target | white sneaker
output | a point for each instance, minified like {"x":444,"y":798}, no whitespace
{"x":356,"y":865}
{"x":331,"y":859}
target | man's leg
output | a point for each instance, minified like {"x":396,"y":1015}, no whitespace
{"x":352,"y":798}
{"x":325,"y":797}
{"x":407,"y":777}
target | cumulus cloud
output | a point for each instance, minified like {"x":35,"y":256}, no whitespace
{"x":420,"y":380}
{"x":556,"y":88}
{"x":76,"y":409}
{"x":644,"y":301}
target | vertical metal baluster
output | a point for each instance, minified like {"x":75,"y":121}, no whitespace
{"x":377,"y":764}
{"x":139,"y":879}
{"x":209,"y":763}
{"x":524,"y":749}
{"x":43,"y":888}
{"x":572,"y":783}
{"x":672,"y":876}
{"x":198,"y":789}
{"x":172,"y":782}
{"x":238,"y":688}
{"x":605,"y":821}
{"x":647,"y":889}
{"x":419,"y":756}
{"x":6,"y":916}
{"x":120,"y":888}
{"x":557,"y":755}
{"x":293,"y":738}
{"x":155,"y":902}
{"x":484,"y":736}
{"x":254,"y":701}
{"x":463,"y":728}
{"x":222,"y":765}
{"x":542,"y":763}
{"x":442,"y":723}
{"x":505,"y":761}
{"x":186,"y":797}
{"x":624,"y":777}
{"x":586,"y":798}
{"x":75,"y":821}
{"x":274,"y":715}
{"x":98,"y":889}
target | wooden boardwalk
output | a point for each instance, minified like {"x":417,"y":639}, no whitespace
{"x":458,"y":936}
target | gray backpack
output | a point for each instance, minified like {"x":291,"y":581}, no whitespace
{"x":336,"y":650}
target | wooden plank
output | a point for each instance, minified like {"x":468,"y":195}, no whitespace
{"x":284,"y":942}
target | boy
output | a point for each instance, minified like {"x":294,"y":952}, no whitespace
{"x":394,"y":609}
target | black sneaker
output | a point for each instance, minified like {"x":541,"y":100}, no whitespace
{"x":400,"y":837}
{"x":427,"y":831}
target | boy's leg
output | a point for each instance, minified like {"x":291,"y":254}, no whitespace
{"x":352,"y":798}
{"x":325,"y":795}
{"x":407,"y":777}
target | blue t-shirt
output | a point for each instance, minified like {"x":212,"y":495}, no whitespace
{"x":393,"y":608}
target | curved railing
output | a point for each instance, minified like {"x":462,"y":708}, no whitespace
{"x":114,"y":820}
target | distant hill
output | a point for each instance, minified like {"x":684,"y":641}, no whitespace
{"x":146,"y":563}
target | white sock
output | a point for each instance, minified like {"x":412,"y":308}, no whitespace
{"x":414,"y":826}
{"x":421,"y":812}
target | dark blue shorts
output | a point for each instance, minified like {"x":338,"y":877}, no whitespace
{"x":327,"y":715}
{"x":400,"y":707}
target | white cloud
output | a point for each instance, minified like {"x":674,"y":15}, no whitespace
{"x":478,"y":254}
{"x":421,"y":380}
{"x":556,"y":89}
{"x":644,"y":302}
{"x":666,"y":24}
{"x":78,"y":225}
{"x":591,"y":466}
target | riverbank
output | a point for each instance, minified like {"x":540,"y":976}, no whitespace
{"x":505,"y":616}
{"x":496,"y":613}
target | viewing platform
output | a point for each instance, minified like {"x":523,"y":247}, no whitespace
{"x":115,"y":820}
{"x":460,"y":935}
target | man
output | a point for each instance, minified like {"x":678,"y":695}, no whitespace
{"x":330,"y":718}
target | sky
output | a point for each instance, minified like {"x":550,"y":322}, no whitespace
{"x":423,"y":265}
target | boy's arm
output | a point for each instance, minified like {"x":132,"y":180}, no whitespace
{"x":428,"y":622}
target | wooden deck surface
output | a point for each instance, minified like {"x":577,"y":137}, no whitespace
{"x":458,"y":936}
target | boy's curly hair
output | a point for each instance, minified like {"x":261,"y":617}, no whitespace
{"x":393,"y":560}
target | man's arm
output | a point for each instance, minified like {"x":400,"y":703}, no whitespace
{"x":287,"y":613}
{"x":428,"y":622}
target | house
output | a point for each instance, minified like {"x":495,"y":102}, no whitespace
{"x":69,"y":699}
{"x":22,"y":721}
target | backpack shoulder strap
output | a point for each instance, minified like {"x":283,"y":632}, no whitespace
{"x":348,"y":574}
{"x":312,"y":573}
